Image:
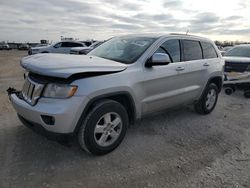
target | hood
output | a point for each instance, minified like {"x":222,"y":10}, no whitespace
{"x":80,"y":48}
{"x":64,"y":65}
{"x":234,"y":59}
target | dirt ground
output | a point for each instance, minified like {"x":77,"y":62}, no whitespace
{"x":174,"y":148}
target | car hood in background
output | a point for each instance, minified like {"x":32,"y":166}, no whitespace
{"x":237,"y":59}
{"x":237,"y":64}
{"x":64,"y":65}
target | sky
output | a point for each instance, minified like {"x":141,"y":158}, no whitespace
{"x":32,"y":20}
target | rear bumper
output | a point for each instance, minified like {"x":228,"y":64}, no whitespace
{"x":65,"y":112}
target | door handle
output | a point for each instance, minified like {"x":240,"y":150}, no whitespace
{"x":206,"y":64}
{"x":180,"y":69}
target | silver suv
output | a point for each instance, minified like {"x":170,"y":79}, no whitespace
{"x":98,"y":95}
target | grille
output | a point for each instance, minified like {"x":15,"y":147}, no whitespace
{"x":31,"y":91}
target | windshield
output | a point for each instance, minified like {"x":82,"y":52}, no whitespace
{"x":239,"y":51}
{"x":95,"y":44}
{"x":123,"y":49}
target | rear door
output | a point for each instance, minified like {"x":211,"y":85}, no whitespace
{"x":211,"y":58}
{"x":196,"y":69}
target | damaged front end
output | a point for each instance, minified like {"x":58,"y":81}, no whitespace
{"x":31,"y":91}
{"x":12,"y":90}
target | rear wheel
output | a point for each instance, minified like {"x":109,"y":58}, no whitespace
{"x":104,"y":128}
{"x":229,"y":90}
{"x":247,"y":93}
{"x":208,"y":101}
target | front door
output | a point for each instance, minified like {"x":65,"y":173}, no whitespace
{"x":162,"y":85}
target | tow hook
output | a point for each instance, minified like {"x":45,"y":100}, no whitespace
{"x":12,"y":90}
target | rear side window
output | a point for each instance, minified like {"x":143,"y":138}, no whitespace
{"x":65,"y":44}
{"x":172,"y":48}
{"x":76,"y":44}
{"x":191,"y":50}
{"x":208,"y":50}
{"x":71,"y":44}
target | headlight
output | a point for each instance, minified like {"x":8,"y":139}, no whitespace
{"x":59,"y":91}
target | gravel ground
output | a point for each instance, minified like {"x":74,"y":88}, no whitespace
{"x":174,"y":148}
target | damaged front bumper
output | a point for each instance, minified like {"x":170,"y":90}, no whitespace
{"x":54,"y":115}
{"x":12,"y":90}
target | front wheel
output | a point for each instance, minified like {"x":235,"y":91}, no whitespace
{"x":208,"y":101}
{"x":104,"y":128}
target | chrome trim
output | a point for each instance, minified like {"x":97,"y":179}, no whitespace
{"x":31,"y":91}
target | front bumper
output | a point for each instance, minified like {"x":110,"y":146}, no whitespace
{"x":65,"y":112}
{"x":61,"y":137}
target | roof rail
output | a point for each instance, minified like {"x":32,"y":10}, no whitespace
{"x":180,"y":34}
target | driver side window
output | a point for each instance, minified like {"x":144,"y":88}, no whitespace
{"x":172,"y":48}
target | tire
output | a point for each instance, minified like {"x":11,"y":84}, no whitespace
{"x":247,"y":94}
{"x":96,"y":134}
{"x":229,"y":91}
{"x":210,"y":96}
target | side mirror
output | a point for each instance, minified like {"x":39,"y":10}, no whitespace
{"x":158,"y":59}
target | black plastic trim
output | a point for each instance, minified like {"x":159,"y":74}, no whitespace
{"x":50,"y":79}
{"x":105,"y":96}
{"x":39,"y":129}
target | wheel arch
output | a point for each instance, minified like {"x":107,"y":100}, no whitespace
{"x":217,"y":80}
{"x":122,"y":97}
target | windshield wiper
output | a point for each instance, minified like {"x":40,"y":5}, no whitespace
{"x":114,"y":59}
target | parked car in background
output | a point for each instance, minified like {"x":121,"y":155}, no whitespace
{"x":222,"y":52}
{"x":97,"y":96}
{"x":4,"y":47}
{"x":237,"y":59}
{"x":40,"y":45}
{"x":85,"y":50}
{"x":227,"y":48}
{"x":59,"y":47}
{"x":23,"y":47}
{"x":88,"y":42}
